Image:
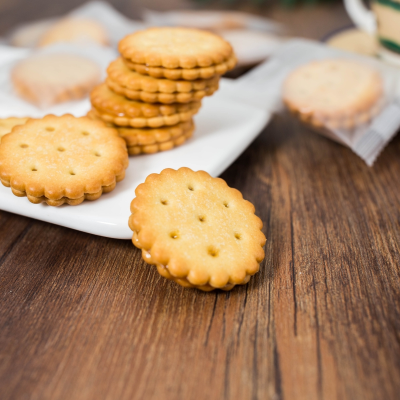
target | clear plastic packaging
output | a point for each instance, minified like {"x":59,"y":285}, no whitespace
{"x":366,"y":128}
{"x":53,"y":97}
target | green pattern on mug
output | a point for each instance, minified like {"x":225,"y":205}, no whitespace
{"x":388,"y":44}
{"x":389,"y":3}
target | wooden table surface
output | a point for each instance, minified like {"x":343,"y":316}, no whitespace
{"x":83,"y":317}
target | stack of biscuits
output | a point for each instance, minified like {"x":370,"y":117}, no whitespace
{"x":155,"y":88}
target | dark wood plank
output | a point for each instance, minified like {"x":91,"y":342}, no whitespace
{"x":83,"y":317}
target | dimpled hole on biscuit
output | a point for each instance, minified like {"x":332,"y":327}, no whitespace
{"x":164,"y":202}
{"x":212,"y":251}
{"x":174,"y":235}
{"x":72,"y":173}
{"x":33,"y":169}
{"x":97,"y":154}
{"x":190,"y":187}
{"x":238,"y":236}
{"x":225,"y":203}
{"x":61,"y":149}
{"x":50,"y":129}
{"x":85,"y":133}
{"x":202,"y":218}
{"x":24,"y":146}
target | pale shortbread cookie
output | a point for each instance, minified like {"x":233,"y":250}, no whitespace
{"x":117,"y":109}
{"x":29,"y":35}
{"x":158,"y":97}
{"x":189,"y":74}
{"x":48,"y":79}
{"x":355,"y":41}
{"x":197,"y":230}
{"x":171,"y":47}
{"x":61,"y":160}
{"x":7,"y":124}
{"x":75,"y":30}
{"x":333,"y":93}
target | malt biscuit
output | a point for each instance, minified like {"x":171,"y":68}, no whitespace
{"x":7,"y":124}
{"x":159,"y":147}
{"x":104,"y":99}
{"x":61,"y":160}
{"x":189,"y":74}
{"x":119,"y":73}
{"x":114,"y":108}
{"x":157,"y":97}
{"x":152,"y":140}
{"x":171,"y":47}
{"x":74,"y":30}
{"x":197,"y":230}
{"x":48,"y":79}
{"x":334,"y":93}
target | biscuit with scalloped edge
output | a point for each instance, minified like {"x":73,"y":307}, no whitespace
{"x":157,"y":147}
{"x":119,"y":73}
{"x":158,"y":97}
{"x":61,"y":160}
{"x":149,"y":136}
{"x":166,"y":120}
{"x":197,"y":230}
{"x":189,"y":74}
{"x":172,"y":47}
{"x":117,"y":109}
{"x":152,"y":140}
{"x":7,"y":124}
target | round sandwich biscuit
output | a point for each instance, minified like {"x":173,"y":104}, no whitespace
{"x":197,"y":230}
{"x":189,"y":74}
{"x":152,"y":140}
{"x":335,"y":93}
{"x":61,"y":160}
{"x":119,"y":73}
{"x":47,"y":79}
{"x":117,"y":109}
{"x":172,"y":47}
{"x":7,"y":124}
{"x":162,"y":146}
{"x":158,"y":97}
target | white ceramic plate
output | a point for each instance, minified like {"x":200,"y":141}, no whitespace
{"x":224,"y":129}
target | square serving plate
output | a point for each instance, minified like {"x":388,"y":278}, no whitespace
{"x":224,"y":128}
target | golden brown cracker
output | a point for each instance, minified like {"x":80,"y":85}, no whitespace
{"x":172,"y":47}
{"x":138,"y":137}
{"x":7,"y":124}
{"x":197,"y":230}
{"x":173,"y":141}
{"x":61,"y":160}
{"x":158,"y":97}
{"x":162,"y":119}
{"x":189,"y":74}
{"x":119,"y":73}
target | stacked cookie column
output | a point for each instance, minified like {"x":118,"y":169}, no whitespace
{"x":153,"y":90}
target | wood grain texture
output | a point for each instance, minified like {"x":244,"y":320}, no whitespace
{"x":84,"y":318}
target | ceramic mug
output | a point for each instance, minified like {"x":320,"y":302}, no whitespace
{"x":383,"y":20}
